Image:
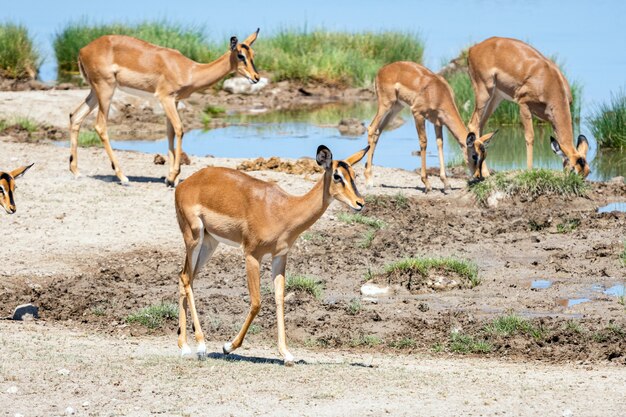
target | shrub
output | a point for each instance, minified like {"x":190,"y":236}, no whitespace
{"x":19,"y":58}
{"x":608,"y":122}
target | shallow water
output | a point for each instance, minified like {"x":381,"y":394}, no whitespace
{"x":540,"y":284}
{"x":294,"y":134}
{"x":615,"y":290}
{"x":619,"y":206}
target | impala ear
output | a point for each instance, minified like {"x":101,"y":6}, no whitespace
{"x":250,"y":39}
{"x":324,"y":157}
{"x":355,"y":158}
{"x":582,"y":146}
{"x":556,"y":148}
{"x":485,"y":139}
{"x":233,"y":43}
{"x":471,"y":138}
{"x":18,"y":172}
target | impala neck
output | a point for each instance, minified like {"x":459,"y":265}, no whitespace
{"x":205,"y":75}
{"x":307,"y":209}
{"x":455,"y":125}
{"x":562,"y":125}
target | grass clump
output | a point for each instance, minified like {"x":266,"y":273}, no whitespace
{"x":368,"y":238}
{"x":89,"y":138}
{"x":404,"y":343}
{"x":512,"y":324}
{"x":354,"y":307}
{"x":350,"y":218}
{"x":423,"y":266}
{"x":608,"y":122}
{"x":398,"y":201}
{"x":190,"y":41}
{"x":337,"y":58}
{"x":19,"y":59}
{"x":304,"y":284}
{"x":530,"y":184}
{"x":366,"y":340}
{"x":463,"y":343}
{"x":154,"y":316}
{"x":568,"y":226}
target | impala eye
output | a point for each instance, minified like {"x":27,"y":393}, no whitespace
{"x":241,"y":57}
{"x":337,"y":177}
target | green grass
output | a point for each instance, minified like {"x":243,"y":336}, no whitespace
{"x":512,"y":324}
{"x":89,"y":138}
{"x":351,"y":218}
{"x":462,"y":343}
{"x":366,"y":340}
{"x":568,"y":226}
{"x":398,"y":200}
{"x":154,"y":316}
{"x":304,"y":284}
{"x":354,"y":307}
{"x":189,"y":40}
{"x":608,"y":121}
{"x":20,"y":123}
{"x":368,"y":238}
{"x":507,"y":112}
{"x":338,"y":58}
{"x":404,"y":343}
{"x":210,"y":112}
{"x":530,"y":184}
{"x":19,"y":59}
{"x":573,"y":327}
{"x":422,"y":266}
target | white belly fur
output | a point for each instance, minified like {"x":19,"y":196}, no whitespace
{"x":225,"y":241}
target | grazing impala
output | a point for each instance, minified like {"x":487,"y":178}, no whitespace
{"x":121,"y":61}
{"x":7,"y":187}
{"x":503,"y":68}
{"x":221,"y":205}
{"x":429,"y":97}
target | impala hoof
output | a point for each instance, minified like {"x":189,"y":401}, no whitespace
{"x":227,"y":348}
{"x":289,"y":360}
{"x":201,"y":351}
{"x":185,"y":351}
{"x":170,"y":183}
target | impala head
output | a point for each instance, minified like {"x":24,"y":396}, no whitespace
{"x":342,"y":186}
{"x":7,"y":187}
{"x":579,"y":162}
{"x":477,"y":153}
{"x":242,"y":56}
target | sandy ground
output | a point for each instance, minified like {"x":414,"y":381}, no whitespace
{"x":53,"y":368}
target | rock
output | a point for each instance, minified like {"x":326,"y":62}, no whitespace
{"x":351,"y":127}
{"x":69,"y":411}
{"x":495,"y":198}
{"x":373,"y":290}
{"x":12,"y":390}
{"x":241,"y":85}
{"x":63,"y":371}
{"x":25,"y":311}
{"x":159,"y":160}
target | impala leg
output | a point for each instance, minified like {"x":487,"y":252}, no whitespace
{"x":254,"y":288}
{"x":386,"y":112}
{"x":169,"y":105}
{"x":105,"y":92}
{"x":529,"y":134}
{"x":442,"y":165}
{"x":278,"y":273}
{"x":76,"y":120}
{"x":420,"y":125}
{"x":170,"y":145}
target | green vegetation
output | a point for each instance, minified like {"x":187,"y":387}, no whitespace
{"x":404,"y":343}
{"x":622,"y":256}
{"x":338,"y":58}
{"x":154,"y":316}
{"x":89,"y":138}
{"x":19,"y":59}
{"x":366,"y":340}
{"x":422,"y":266}
{"x":608,"y":122}
{"x":507,"y":112}
{"x":210,"y":112}
{"x":573,"y":327}
{"x":354,"y":307}
{"x":512,"y":324}
{"x":368,"y":238}
{"x":462,"y":343}
{"x":190,"y":41}
{"x":568,"y":226}
{"x":304,"y":284}
{"x":530,"y":184}
{"x":351,"y":218}
{"x":20,"y":123}
{"x":398,"y":201}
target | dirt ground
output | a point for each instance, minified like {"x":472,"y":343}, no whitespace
{"x":89,"y":252}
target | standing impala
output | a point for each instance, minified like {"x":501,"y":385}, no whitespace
{"x":121,"y":61}
{"x":221,"y":205}
{"x":429,"y":97}
{"x":503,"y":68}
{"x":7,"y":187}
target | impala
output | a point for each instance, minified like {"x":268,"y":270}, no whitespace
{"x":7,"y":187}
{"x":113,"y":61}
{"x":221,"y":205}
{"x":429,"y":97}
{"x":509,"y":69}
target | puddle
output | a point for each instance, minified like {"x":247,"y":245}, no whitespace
{"x":620,"y":206}
{"x":615,"y":291}
{"x":570,"y":302}
{"x":540,"y":284}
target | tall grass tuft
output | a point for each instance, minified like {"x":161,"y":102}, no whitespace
{"x":608,"y":121}
{"x":190,"y":41}
{"x":422,"y":266}
{"x":337,"y":58}
{"x":19,"y":59}
{"x":154,"y":316}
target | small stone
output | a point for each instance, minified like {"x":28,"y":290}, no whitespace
{"x":567,"y":413}
{"x":241,"y":85}
{"x":12,"y":390}
{"x":86,"y":404}
{"x":373,"y":290}
{"x":25,"y":311}
{"x":534,"y":239}
{"x":63,"y":371}
{"x":289,"y":298}
{"x":159,"y":160}
{"x":70,"y":411}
